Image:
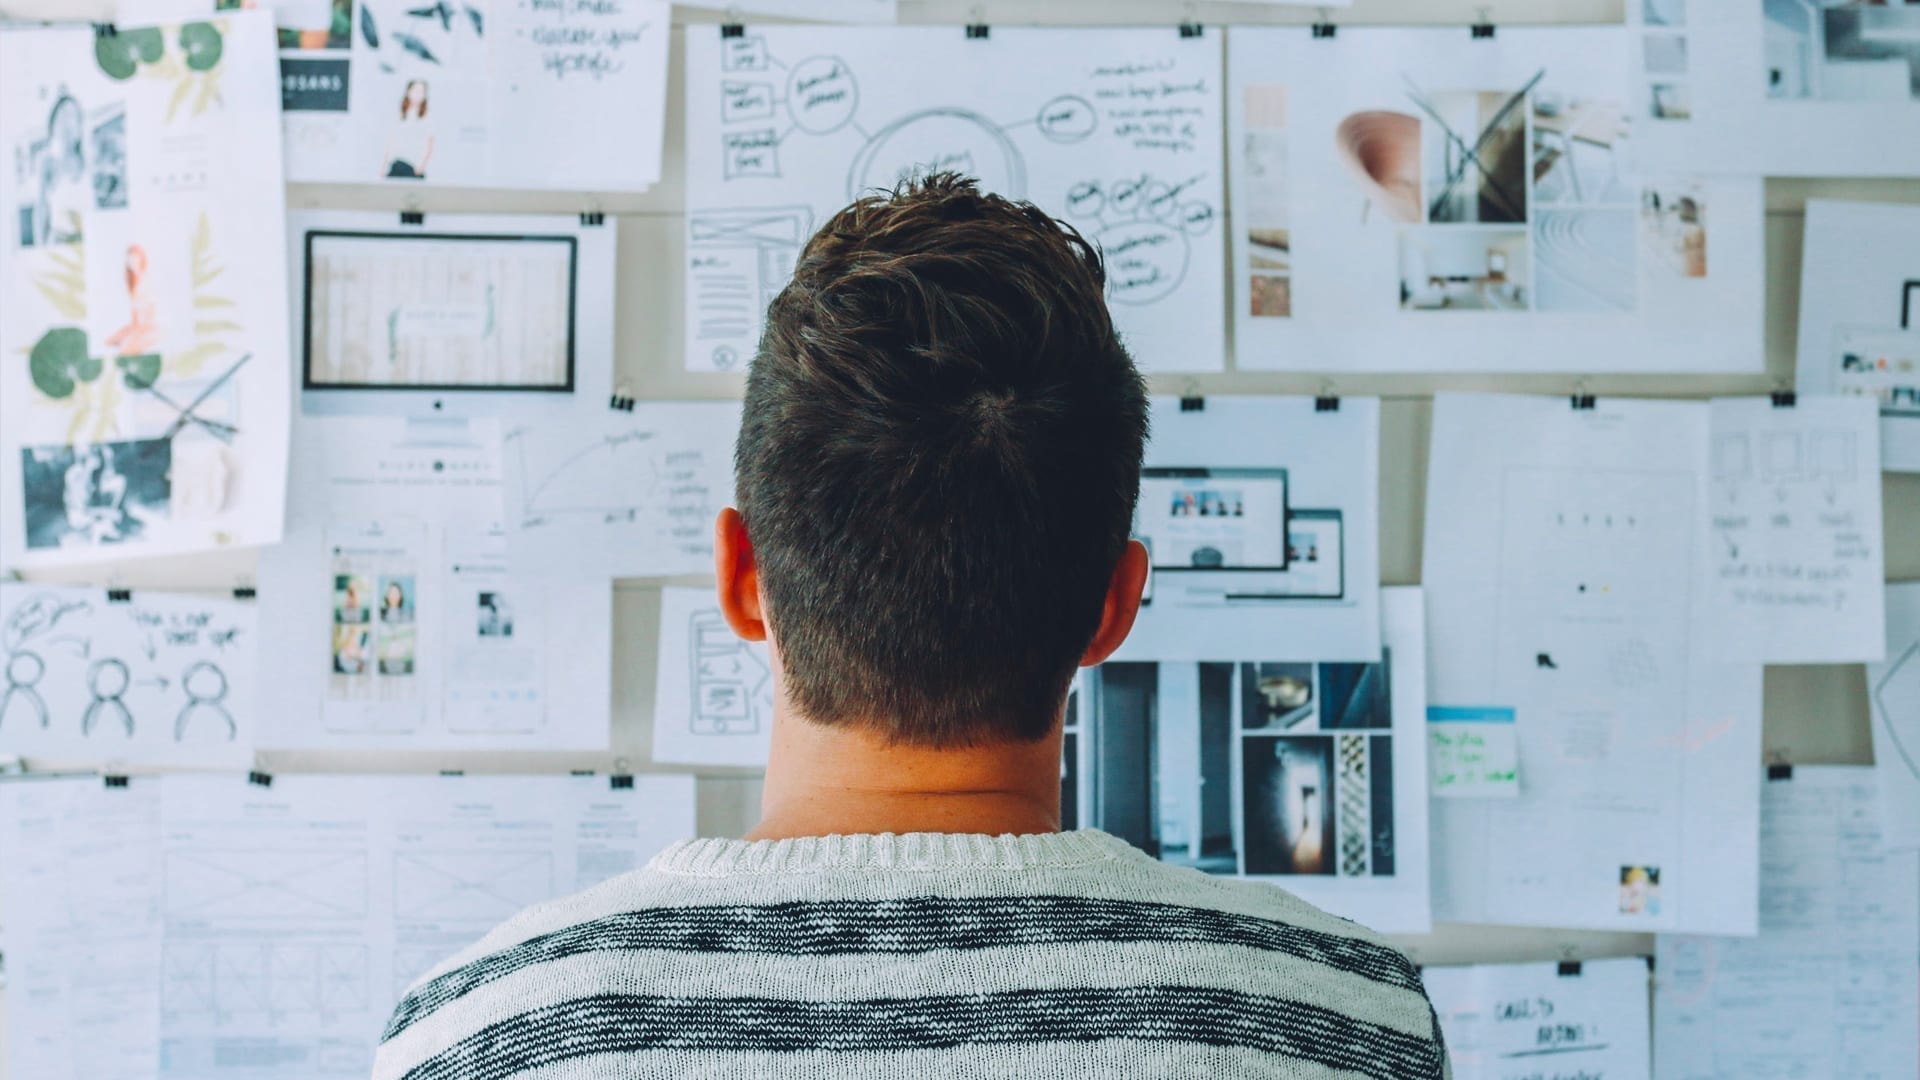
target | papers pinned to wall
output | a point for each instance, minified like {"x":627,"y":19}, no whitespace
{"x":1501,"y":1021}
{"x":1832,"y":984}
{"x":1269,"y":764}
{"x":618,"y":493}
{"x":472,"y":93}
{"x":127,"y":678}
{"x":845,"y":11}
{"x":1472,"y":752}
{"x":1893,"y":693}
{"x":1564,"y":552}
{"x":1427,"y":200}
{"x":143,"y":404}
{"x":1116,"y":131}
{"x":1860,"y":314}
{"x":713,"y":693}
{"x":1261,"y":516}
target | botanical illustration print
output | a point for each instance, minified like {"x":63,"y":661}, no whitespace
{"x":147,"y":404}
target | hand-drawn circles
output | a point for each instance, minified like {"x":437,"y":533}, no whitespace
{"x":1067,"y":119}
{"x":939,"y":140}
{"x":822,"y":95}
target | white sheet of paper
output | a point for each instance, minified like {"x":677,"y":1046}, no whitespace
{"x":1565,"y":562}
{"x":1797,"y":560}
{"x":1421,"y":200}
{"x":1308,"y":773}
{"x":363,"y":884}
{"x":1831,"y":986}
{"x":712,"y":693}
{"x":461,"y":315}
{"x":144,"y":408}
{"x":1115,"y":130}
{"x":835,"y":11}
{"x":1893,"y":691}
{"x":287,"y":14}
{"x":1860,"y":315}
{"x":395,"y":619}
{"x":516,"y":95}
{"x":620,"y":494}
{"x":1325,"y":602}
{"x":156,"y":679}
{"x":1779,"y":89}
{"x":1529,"y":1022}
{"x":1472,"y":752}
{"x":80,"y":891}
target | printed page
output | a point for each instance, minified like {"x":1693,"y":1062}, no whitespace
{"x":143,"y":410}
{"x":713,"y":693}
{"x":1531,"y":1021}
{"x":1423,"y":200}
{"x":1261,"y":516}
{"x":1893,"y":692}
{"x":296,"y":915}
{"x":1860,"y":316}
{"x":1780,"y":89}
{"x":1264,"y":764}
{"x":1796,"y":549}
{"x":397,"y":619}
{"x":846,"y":11}
{"x":151,"y":679}
{"x":1566,"y":555}
{"x":81,"y":902}
{"x":620,"y":493}
{"x":1832,"y":984}
{"x":1116,"y":131}
{"x":469,"y":93}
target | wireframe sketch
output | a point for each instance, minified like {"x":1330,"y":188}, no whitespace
{"x":233,"y":978}
{"x":240,"y":884}
{"x":206,"y":689}
{"x":108,"y":681}
{"x":1851,"y":50}
{"x":1894,"y":695}
{"x":482,"y":886}
{"x":732,"y":685}
{"x":737,"y":262}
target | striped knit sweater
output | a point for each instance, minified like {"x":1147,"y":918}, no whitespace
{"x":1070,"y":955}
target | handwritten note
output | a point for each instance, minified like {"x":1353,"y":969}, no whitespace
{"x":1472,"y":752}
{"x":1796,"y":556}
{"x":1582,"y":1021}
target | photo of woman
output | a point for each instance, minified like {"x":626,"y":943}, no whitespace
{"x":351,"y":594}
{"x":410,"y":144}
{"x":396,"y":599}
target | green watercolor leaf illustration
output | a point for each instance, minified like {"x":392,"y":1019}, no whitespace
{"x":209,"y":329}
{"x":59,"y":361}
{"x":188,"y":363}
{"x":65,"y":300}
{"x":202,"y":44}
{"x":141,"y":372}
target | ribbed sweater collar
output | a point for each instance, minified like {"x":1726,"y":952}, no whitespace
{"x":890,"y":851}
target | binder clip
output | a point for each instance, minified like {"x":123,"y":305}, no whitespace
{"x":1482,"y":30}
{"x":1324,"y":28}
{"x":591,"y":218}
{"x":622,"y":400}
{"x":105,"y":30}
{"x":453,"y":772}
{"x":1779,"y":770}
{"x":977,"y":31}
{"x":579,"y":772}
{"x":260,"y":779}
{"x":1192,"y":30}
{"x":620,"y":782}
{"x":1569,"y":968}
{"x":412,"y":217}
{"x":119,"y":596}
{"x":1785,"y":399}
{"x":1193,"y":403}
{"x":113,"y":780}
{"x":732,"y":30}
{"x":1580,"y":399}
{"x":1326,"y":400}
{"x":245,"y":592}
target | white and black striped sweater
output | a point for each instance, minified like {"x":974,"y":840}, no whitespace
{"x":1070,"y":955}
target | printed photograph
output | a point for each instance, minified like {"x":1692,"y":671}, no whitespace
{"x":1580,"y":149}
{"x":94,"y":494}
{"x":495,"y":616}
{"x":396,"y":598}
{"x":1663,"y":12}
{"x":1380,"y":149}
{"x":1276,"y":697}
{"x":1673,"y":227}
{"x":139,"y":284}
{"x":1288,"y":803}
{"x":1669,"y":101}
{"x":51,"y":176}
{"x":1465,"y":270}
{"x":396,"y":645}
{"x":1639,"y":890}
{"x":1193,"y":760}
{"x":351,"y":656}
{"x":352,"y":599}
{"x":1206,"y":502}
{"x":305,"y":24}
{"x":1664,"y":54}
{"x":1474,"y":154}
{"x":1265,"y":202}
{"x":1851,"y":51}
{"x":107,"y":157}
{"x":1356,"y":696}
{"x":409,"y":147}
{"x":1583,"y":259}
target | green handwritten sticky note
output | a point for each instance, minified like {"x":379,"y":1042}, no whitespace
{"x":1472,"y":752}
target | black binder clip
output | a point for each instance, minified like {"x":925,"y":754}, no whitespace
{"x":260,"y":779}
{"x":1582,"y":402}
{"x":412,"y":217}
{"x":1193,"y":403}
{"x":1326,"y":403}
{"x":732,"y":30}
{"x":1481,"y":30}
{"x":1569,"y":968}
{"x":1324,"y":30}
{"x":105,"y":30}
{"x":119,"y":596}
{"x":592,"y":218}
{"x":453,"y":772}
{"x":245,"y":592}
{"x":1785,"y":399}
{"x":620,"y":782}
{"x":977,"y":31}
{"x":1192,"y":30}
{"x":113,"y":780}
{"x":1780,"y":770}
{"x":620,"y":402}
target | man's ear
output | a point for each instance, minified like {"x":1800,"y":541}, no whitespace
{"x":1122,"y":605}
{"x":739,"y":576}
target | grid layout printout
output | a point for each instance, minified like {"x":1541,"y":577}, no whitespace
{"x":1116,"y":131}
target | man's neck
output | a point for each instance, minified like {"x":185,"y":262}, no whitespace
{"x":823,"y":781}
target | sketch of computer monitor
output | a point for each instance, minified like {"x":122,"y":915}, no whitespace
{"x":1212,"y":533}
{"x":438,"y":323}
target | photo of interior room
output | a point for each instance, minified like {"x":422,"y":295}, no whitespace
{"x":1454,"y":269}
{"x":1846,"y":51}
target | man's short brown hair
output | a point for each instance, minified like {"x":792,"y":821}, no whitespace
{"x":938,"y":464}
